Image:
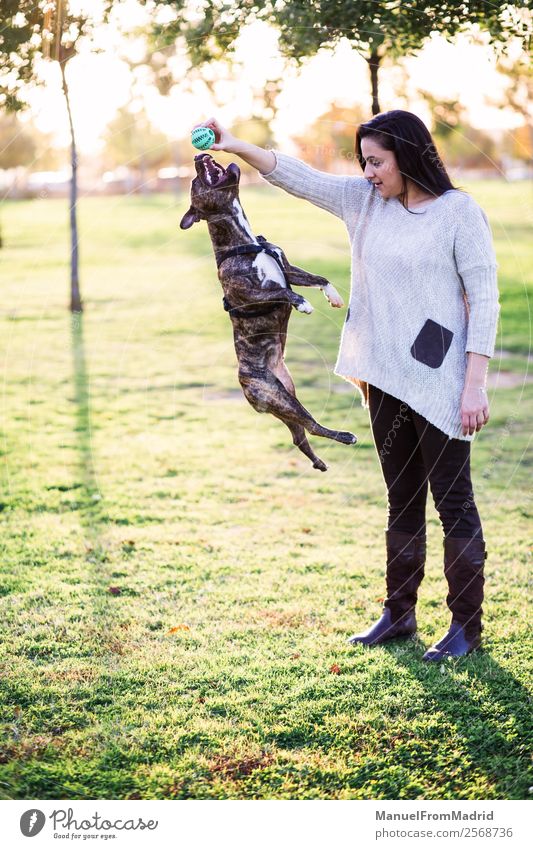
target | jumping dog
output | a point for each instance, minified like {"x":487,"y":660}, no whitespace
{"x":256,"y":279}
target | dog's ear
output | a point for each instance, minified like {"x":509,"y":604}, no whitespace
{"x":191,"y":217}
{"x":235,"y":172}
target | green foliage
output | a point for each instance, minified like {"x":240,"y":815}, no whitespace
{"x":141,"y":493}
{"x":20,"y":21}
{"x":208,"y":30}
{"x":28,"y":32}
{"x":211,"y":27}
{"x":396,"y":28}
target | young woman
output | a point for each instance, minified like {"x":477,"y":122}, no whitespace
{"x":419,"y":332}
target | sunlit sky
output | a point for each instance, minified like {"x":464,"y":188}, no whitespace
{"x":101,"y":83}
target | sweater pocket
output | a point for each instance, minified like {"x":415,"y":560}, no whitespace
{"x":432,"y":344}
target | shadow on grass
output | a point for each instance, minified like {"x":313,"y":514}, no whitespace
{"x":92,"y":513}
{"x":94,"y":520}
{"x":488,"y":709}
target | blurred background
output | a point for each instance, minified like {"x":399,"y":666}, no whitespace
{"x":141,"y":74}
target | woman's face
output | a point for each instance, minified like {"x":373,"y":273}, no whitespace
{"x":381,"y":168}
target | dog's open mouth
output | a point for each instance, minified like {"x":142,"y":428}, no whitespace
{"x":210,"y":171}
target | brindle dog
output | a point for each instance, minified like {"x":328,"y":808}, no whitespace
{"x":256,"y":278}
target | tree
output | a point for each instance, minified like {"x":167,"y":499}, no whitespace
{"x":131,"y":140}
{"x":23,"y":145}
{"x":175,"y":55}
{"x":29,"y":31}
{"x":61,"y":34}
{"x":459,"y":144}
{"x":16,"y":146}
{"x":519,"y":97}
{"x":330,"y":137}
{"x":374,"y":29}
{"x":21,"y":22}
{"x":393,"y":29}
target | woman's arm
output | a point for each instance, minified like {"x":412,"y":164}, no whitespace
{"x":477,"y":266}
{"x":257,"y":157}
{"x":320,"y":188}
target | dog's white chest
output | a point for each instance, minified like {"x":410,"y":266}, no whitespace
{"x":265,"y":265}
{"x":268,"y":269}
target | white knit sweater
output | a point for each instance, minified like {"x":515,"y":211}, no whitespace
{"x":437,"y":264}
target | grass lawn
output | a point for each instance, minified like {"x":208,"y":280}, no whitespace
{"x":177,"y":582}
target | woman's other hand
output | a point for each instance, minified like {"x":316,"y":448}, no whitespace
{"x":474,"y":401}
{"x":474,"y":409}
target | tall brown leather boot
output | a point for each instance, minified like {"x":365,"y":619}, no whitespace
{"x":464,"y":561}
{"x":406,"y":557}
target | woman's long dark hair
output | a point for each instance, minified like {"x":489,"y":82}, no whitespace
{"x":415,"y":151}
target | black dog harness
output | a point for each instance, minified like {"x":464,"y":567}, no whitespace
{"x":240,"y":250}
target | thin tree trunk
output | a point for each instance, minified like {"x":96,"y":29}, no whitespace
{"x":75,"y":297}
{"x":373,"y":63}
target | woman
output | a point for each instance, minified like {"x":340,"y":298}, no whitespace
{"x":419,"y":332}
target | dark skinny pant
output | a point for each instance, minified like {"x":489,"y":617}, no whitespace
{"x":414,"y":452}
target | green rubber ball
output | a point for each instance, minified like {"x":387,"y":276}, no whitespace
{"x":202,"y":138}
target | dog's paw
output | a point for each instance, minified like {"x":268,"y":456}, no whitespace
{"x":305,"y":306}
{"x":346,"y":437}
{"x":333,"y":296}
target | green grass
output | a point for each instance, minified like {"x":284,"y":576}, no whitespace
{"x":131,"y":460}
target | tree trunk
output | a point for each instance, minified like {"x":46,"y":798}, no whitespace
{"x":373,"y":63}
{"x":75,"y":298}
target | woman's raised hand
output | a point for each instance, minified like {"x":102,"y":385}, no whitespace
{"x":224,"y":140}
{"x":263,"y":160}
